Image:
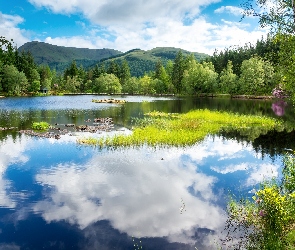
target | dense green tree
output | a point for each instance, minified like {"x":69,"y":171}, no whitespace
{"x":124,"y":72}
{"x":256,"y":76}
{"x":72,"y":70}
{"x":7,"y":51}
{"x":45,"y":76}
{"x":13,"y":81}
{"x":131,"y":86}
{"x":34,"y":82}
{"x":280,"y":17}
{"x":72,"y":84}
{"x":177,"y":72}
{"x":114,"y":68}
{"x":228,"y":80}
{"x":146,"y":85}
{"x":107,"y":83}
{"x":200,"y":78}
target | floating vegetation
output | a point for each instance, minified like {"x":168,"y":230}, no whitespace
{"x":170,"y":129}
{"x":109,"y":101}
{"x":40,"y":126}
{"x":6,"y":128}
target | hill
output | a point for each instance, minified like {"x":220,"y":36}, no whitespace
{"x":59,"y":57}
{"x":140,"y":61}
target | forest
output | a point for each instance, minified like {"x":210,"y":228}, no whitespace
{"x":262,"y":69}
{"x":247,"y":70}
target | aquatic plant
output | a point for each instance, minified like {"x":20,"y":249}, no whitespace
{"x":267,"y":221}
{"x":40,"y":125}
{"x":170,"y":129}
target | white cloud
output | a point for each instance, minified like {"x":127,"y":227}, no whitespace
{"x":199,"y":36}
{"x":125,"y":12}
{"x":139,"y":197}
{"x":230,"y":9}
{"x":8,"y":28}
{"x":7,"y":157}
{"x":148,"y":24}
{"x":130,"y":24}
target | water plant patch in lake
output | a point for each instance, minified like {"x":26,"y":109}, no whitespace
{"x":109,"y":101}
{"x":40,"y":126}
{"x":158,"y":128}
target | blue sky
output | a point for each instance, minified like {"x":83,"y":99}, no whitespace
{"x":194,"y":25}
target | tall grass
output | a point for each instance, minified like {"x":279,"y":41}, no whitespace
{"x":166,"y":129}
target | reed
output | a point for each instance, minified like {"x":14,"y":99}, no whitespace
{"x":167,"y":129}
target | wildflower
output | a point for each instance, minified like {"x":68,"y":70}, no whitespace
{"x":261,"y":213}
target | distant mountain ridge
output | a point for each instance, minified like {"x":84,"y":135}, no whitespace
{"x":140,"y":61}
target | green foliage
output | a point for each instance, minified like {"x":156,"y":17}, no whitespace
{"x":265,"y":48}
{"x":40,"y":126}
{"x":270,"y":216}
{"x":183,"y":129}
{"x":228,"y":80}
{"x":131,"y":86}
{"x":200,"y":78}
{"x":256,"y":77}
{"x":279,"y":17}
{"x":146,"y":85}
{"x":13,"y":81}
{"x":107,"y":83}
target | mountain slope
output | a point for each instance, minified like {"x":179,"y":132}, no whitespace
{"x":59,"y":57}
{"x":141,"y":61}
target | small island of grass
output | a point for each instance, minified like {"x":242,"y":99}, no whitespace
{"x":165,"y":129}
{"x":109,"y":101}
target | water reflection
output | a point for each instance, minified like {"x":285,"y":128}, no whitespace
{"x":11,"y":152}
{"x":142,"y":198}
{"x":174,"y":196}
{"x":278,"y":107}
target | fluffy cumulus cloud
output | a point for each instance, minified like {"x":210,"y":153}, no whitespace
{"x":8,"y":28}
{"x":139,"y":197}
{"x":126,"y":12}
{"x":148,"y":24}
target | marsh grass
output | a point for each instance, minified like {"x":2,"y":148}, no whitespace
{"x":41,"y":126}
{"x":171,"y":129}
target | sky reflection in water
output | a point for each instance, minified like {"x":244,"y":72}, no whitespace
{"x":143,"y":193}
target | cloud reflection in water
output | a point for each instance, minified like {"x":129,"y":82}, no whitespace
{"x":136,"y":191}
{"x":139,"y":193}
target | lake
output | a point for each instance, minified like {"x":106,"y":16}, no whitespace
{"x":57,"y":194}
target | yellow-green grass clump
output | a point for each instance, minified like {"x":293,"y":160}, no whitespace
{"x":40,"y":126}
{"x":159,"y":128}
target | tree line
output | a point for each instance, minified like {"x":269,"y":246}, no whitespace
{"x":238,"y":70}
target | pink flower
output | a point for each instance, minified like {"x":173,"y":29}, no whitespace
{"x":261,"y":213}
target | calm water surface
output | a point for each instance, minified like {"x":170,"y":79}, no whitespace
{"x":55,"y":194}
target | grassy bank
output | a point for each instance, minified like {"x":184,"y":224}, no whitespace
{"x":266,"y":221}
{"x":185,"y":129}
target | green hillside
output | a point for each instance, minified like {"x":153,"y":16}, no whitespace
{"x":59,"y":57}
{"x":140,"y":61}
